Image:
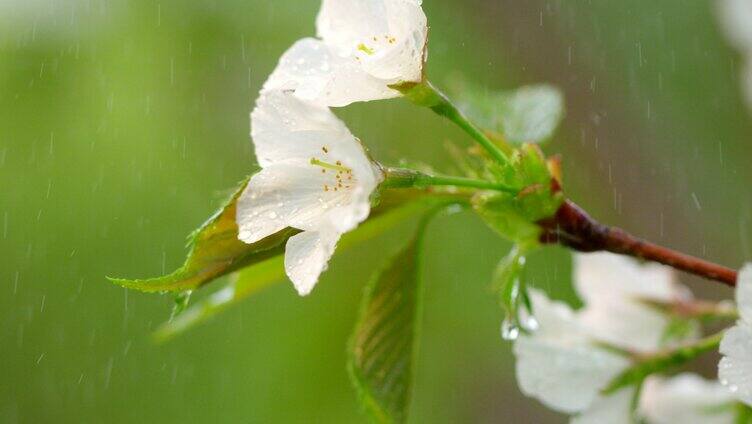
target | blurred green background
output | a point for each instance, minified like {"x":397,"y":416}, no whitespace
{"x":124,"y":122}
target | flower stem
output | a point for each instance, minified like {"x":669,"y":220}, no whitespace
{"x":410,"y":178}
{"x":426,"y":94}
{"x":662,"y":361}
{"x":703,"y":310}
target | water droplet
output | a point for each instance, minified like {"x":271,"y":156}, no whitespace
{"x":272,"y":215}
{"x":530,"y":323}
{"x":509,"y":330}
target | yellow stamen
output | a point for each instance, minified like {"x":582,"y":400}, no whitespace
{"x":365,"y":49}
{"x":337,"y":167}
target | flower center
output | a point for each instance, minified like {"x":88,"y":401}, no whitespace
{"x":370,"y":45}
{"x":342,"y":174}
{"x":337,"y":166}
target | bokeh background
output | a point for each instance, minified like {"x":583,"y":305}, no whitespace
{"x":124,"y":122}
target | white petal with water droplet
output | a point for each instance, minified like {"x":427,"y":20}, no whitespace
{"x":735,"y":368}
{"x":307,"y":255}
{"x":319,"y":75}
{"x":388,"y":36}
{"x":315,"y":177}
{"x":558,"y":364}
{"x":298,"y":186}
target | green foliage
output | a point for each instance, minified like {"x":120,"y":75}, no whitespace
{"x":513,"y":216}
{"x":383,"y":345}
{"x":214,"y":251}
{"x":246,"y":282}
{"x":528,"y":114}
{"x":679,"y":328}
{"x":743,"y":413}
{"x":662,"y":362}
{"x":394,"y":208}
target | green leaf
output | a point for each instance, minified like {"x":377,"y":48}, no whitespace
{"x":678,"y":329}
{"x":528,"y":114}
{"x":214,"y":251}
{"x":395,"y":207}
{"x":383,"y":345}
{"x":507,"y":215}
{"x":249,"y":281}
{"x":743,"y":413}
{"x":515,"y":217}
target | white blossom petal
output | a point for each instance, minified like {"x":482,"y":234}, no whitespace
{"x":613,"y":409}
{"x":736,"y":16}
{"x":558,"y":364}
{"x":286,"y":194}
{"x":319,"y":75}
{"x":743,"y":293}
{"x":612,"y":287}
{"x":687,"y":399}
{"x":307,"y":255}
{"x":387,"y":36}
{"x":283,"y":127}
{"x":315,"y":177}
{"x":735,"y":368}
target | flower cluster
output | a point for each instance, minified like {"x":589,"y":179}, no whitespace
{"x":573,"y":356}
{"x":316,"y":176}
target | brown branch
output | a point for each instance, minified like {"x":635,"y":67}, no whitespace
{"x":574,"y":228}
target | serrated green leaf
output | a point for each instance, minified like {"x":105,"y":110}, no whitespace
{"x":391,"y":211}
{"x":528,"y":114}
{"x":383,"y":345}
{"x":214,"y":251}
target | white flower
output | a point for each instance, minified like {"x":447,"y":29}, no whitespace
{"x":735,"y":368}
{"x":564,"y":363}
{"x":613,"y":288}
{"x":687,"y":399}
{"x":364,"y":46}
{"x":736,"y":17}
{"x":559,"y":364}
{"x":614,"y":409}
{"x":315,"y":177}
